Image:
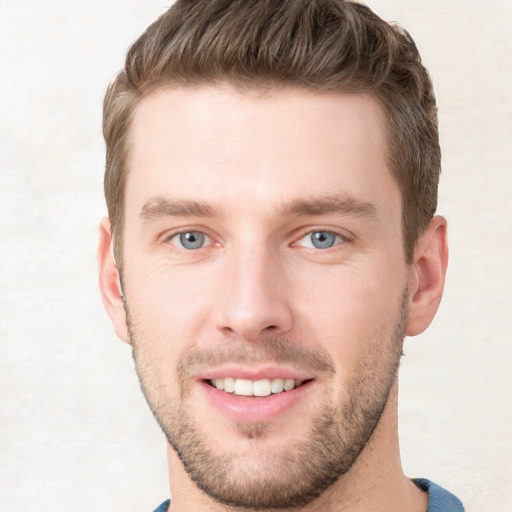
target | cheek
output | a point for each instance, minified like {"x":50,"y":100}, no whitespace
{"x":164,"y":325}
{"x":170,"y":316}
{"x":168,"y":310}
{"x":348,"y":312}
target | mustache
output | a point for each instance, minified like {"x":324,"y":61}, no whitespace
{"x":274,"y":350}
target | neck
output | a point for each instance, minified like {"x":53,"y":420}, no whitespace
{"x":376,"y":482}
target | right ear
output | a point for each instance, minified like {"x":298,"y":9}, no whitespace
{"x":110,"y":282}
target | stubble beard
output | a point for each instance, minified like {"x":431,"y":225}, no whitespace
{"x":290,"y":478}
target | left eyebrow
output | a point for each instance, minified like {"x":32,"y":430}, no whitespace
{"x":342,"y":204}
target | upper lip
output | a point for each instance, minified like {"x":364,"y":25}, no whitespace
{"x":260,"y":372}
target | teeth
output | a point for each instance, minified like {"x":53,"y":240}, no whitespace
{"x":219,"y":383}
{"x":229,"y":384}
{"x":243,"y":387}
{"x":277,"y":385}
{"x":263,"y":387}
{"x":289,"y":384}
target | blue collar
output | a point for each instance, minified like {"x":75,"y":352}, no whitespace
{"x":439,"y":499}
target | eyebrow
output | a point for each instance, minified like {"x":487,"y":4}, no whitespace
{"x":163,"y":207}
{"x":342,"y":204}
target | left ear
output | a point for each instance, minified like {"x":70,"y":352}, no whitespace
{"x":427,"y":275}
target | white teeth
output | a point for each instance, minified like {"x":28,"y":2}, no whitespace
{"x":263,"y":387}
{"x":289,"y":384}
{"x":229,"y":384}
{"x":243,"y":387}
{"x":277,"y":385}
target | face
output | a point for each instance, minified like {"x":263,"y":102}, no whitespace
{"x":265,"y":284}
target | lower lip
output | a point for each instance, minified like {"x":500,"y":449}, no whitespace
{"x":254,"y":409}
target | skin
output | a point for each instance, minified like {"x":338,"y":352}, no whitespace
{"x":249,"y":159}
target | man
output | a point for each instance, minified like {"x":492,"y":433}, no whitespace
{"x":271,"y":181}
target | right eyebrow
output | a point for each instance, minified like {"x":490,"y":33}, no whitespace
{"x":162,"y":207}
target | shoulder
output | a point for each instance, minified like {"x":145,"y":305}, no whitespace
{"x":439,"y":499}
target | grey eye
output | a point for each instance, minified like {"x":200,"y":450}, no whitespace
{"x":191,"y":240}
{"x":322,"y":239}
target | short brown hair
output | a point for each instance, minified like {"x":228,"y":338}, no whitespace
{"x":314,"y":45}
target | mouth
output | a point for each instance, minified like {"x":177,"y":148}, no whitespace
{"x":255,"y":388}
{"x":256,"y":394}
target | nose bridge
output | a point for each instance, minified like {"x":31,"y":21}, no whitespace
{"x":254,"y":296}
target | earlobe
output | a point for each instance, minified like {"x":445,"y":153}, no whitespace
{"x":110,"y":284}
{"x":427,"y":276}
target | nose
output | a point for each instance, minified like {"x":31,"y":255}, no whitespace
{"x":253,"y":296}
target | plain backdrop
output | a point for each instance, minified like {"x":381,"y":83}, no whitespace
{"x":75,"y":431}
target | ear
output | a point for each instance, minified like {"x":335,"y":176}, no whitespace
{"x":427,"y":276}
{"x":110,"y":282}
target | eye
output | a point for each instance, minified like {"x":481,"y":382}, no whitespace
{"x":320,"y":240}
{"x":190,"y":240}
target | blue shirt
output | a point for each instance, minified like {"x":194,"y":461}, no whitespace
{"x":439,"y":500}
{"x":163,"y":507}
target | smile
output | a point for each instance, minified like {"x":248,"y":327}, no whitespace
{"x":258,"y":388}
{"x":262,"y":397}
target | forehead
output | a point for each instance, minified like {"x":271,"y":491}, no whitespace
{"x":219,"y":144}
